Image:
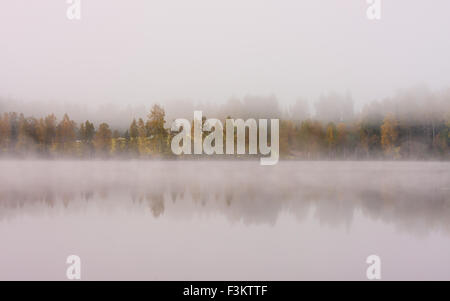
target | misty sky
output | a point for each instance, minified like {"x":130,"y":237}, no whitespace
{"x":210,"y":50}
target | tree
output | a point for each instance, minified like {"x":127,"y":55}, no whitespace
{"x":27,"y":137}
{"x":142,"y":144}
{"x":46,"y":132}
{"x":133,"y":129}
{"x":155,"y":128}
{"x":50,"y":129}
{"x":389,"y":134}
{"x":331,"y":136}
{"x":126,"y":135}
{"x":5,"y":132}
{"x":133,"y":140}
{"x":66,"y":135}
{"x":442,"y":141}
{"x":287,"y":137}
{"x":342,"y":138}
{"x":142,"y":130}
{"x":116,"y":134}
{"x":102,"y":140}
{"x":311,"y":137}
{"x":87,"y":132}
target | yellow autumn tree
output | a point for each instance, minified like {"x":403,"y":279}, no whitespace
{"x":5,"y":132}
{"x":102,"y":140}
{"x":66,"y":135}
{"x":331,"y":136}
{"x":389,"y":134}
{"x":341,"y":137}
{"x":142,"y":142}
{"x":158,"y":135}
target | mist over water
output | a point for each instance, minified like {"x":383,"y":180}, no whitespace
{"x":173,"y":220}
{"x":87,"y":167}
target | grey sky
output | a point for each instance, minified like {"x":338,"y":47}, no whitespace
{"x":209,"y":50}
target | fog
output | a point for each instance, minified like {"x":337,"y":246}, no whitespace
{"x":414,"y":105}
{"x":135,"y":220}
{"x":140,"y":52}
{"x":411,"y":195}
{"x":344,"y":88}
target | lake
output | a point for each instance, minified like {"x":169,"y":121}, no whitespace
{"x":224,"y":220}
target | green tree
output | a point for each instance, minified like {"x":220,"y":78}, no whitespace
{"x":87,"y":132}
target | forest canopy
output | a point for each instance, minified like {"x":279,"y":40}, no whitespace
{"x":408,"y":126}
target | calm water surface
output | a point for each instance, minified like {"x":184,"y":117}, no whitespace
{"x":143,"y":220}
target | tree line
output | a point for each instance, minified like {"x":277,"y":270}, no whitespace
{"x":363,"y":137}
